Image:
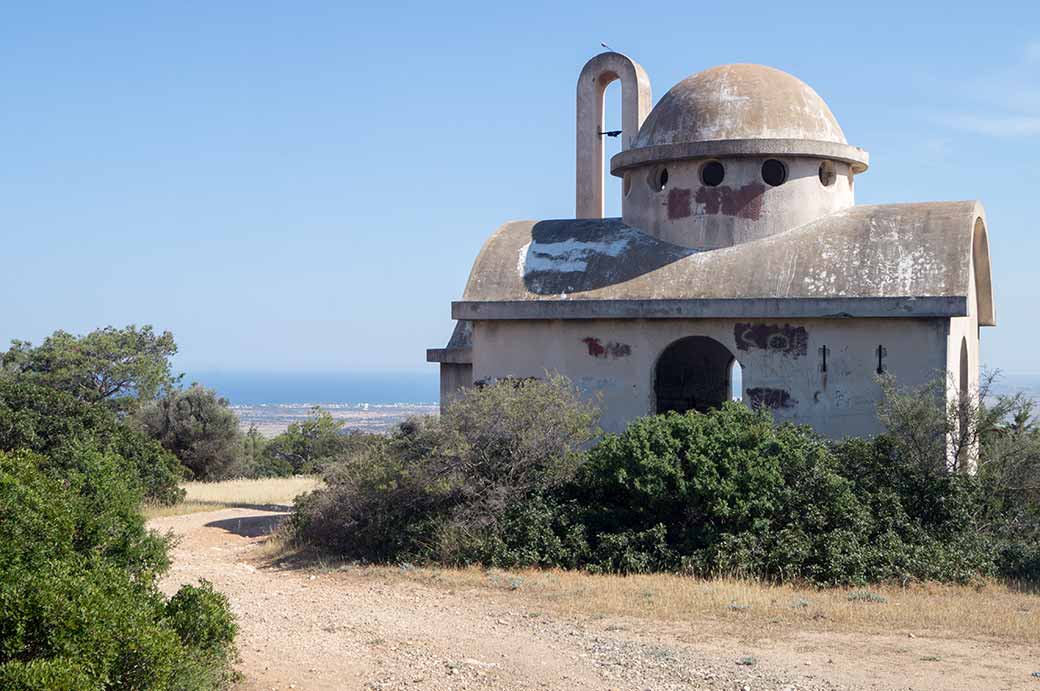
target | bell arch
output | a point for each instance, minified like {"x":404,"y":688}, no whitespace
{"x":636,"y":99}
{"x":983,"y":278}
{"x":693,"y":373}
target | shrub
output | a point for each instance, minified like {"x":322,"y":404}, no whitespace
{"x":79,"y":608}
{"x":52,"y":674}
{"x":436,"y":489}
{"x":723,"y":492}
{"x":81,"y":507}
{"x":501,"y":479}
{"x":982,"y":522}
{"x":201,"y":617}
{"x":50,"y":422}
{"x":374,"y":506}
{"x":198,"y":427}
{"x":308,"y":446}
{"x":925,"y":524}
{"x":541,"y":531}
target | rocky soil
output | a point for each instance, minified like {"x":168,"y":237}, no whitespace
{"x":356,"y":629}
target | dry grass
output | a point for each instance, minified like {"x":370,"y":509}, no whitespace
{"x":746,"y":608}
{"x":263,"y":493}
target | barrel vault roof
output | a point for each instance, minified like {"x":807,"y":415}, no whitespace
{"x":880,"y":260}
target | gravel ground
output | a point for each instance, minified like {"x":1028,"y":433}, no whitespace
{"x":314,"y":629}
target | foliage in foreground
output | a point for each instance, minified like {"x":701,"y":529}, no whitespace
{"x":501,"y":479}
{"x":55,"y":424}
{"x":79,"y":607}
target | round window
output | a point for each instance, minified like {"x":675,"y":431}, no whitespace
{"x":662,"y":179}
{"x":657,"y":178}
{"x":827,"y":174}
{"x":774,"y":172}
{"x":712,"y":174}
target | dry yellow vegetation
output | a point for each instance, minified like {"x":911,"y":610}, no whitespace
{"x":743,"y":608}
{"x":261,"y":493}
{"x":751,"y":607}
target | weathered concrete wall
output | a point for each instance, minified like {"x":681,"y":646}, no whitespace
{"x":782,"y":362}
{"x":688,"y":213}
{"x":962,"y":363}
{"x":454,"y":377}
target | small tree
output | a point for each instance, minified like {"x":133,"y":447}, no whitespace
{"x":307,"y":446}
{"x":120,"y":367}
{"x":198,"y":427}
{"x":945,"y":434}
{"x":440,"y":488}
{"x":998,"y":433}
{"x":503,"y":441}
{"x":253,"y":445}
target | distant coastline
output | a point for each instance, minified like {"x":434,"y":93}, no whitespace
{"x":389,"y":388}
{"x":324,"y":388}
{"x":376,"y":401}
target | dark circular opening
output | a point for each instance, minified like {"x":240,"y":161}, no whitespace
{"x":712,"y":174}
{"x":774,"y":172}
{"x":662,"y":179}
{"x":827,"y":174}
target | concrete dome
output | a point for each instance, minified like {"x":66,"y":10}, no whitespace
{"x":739,"y":102}
{"x":739,"y":110}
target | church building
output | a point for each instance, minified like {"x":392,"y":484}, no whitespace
{"x":741,"y":267}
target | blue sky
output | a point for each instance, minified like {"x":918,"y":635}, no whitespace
{"x":303,"y":186}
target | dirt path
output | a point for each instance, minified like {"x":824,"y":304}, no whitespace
{"x":305,"y":629}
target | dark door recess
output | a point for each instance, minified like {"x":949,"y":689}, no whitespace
{"x":692,"y":374}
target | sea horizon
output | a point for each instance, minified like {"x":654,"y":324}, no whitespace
{"x":324,"y":388}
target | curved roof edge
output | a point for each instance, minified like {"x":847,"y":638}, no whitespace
{"x":987,"y":309}
{"x":880,"y":260}
{"x":854,"y":156}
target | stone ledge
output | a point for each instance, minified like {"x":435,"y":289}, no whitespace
{"x":750,"y":308}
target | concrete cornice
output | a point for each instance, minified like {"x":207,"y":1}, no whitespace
{"x":459,"y":356}
{"x":746,"y":308}
{"x":726,"y":148}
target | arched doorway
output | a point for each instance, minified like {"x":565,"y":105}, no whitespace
{"x":693,"y":373}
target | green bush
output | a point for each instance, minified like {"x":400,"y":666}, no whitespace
{"x":54,"y":423}
{"x":198,"y":427}
{"x":201,"y":617}
{"x":79,"y":505}
{"x":540,"y":531}
{"x":724,"y":492}
{"x":79,"y":607}
{"x":53,"y":674}
{"x":436,"y":489}
{"x":501,"y":479}
{"x":308,"y":446}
